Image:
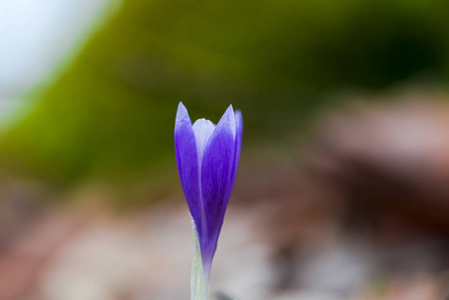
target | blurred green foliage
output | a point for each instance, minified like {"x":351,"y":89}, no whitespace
{"x":111,"y":114}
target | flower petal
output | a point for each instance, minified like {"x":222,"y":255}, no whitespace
{"x":238,"y":140}
{"x":202,"y":129}
{"x":216,"y":182}
{"x":187,"y":159}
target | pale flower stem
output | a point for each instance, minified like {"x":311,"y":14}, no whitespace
{"x":199,"y":281}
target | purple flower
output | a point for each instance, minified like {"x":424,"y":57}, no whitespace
{"x":207,"y":157}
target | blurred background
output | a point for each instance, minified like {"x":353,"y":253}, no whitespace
{"x":342,"y":191}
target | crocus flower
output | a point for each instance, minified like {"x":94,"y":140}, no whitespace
{"x":207,"y":157}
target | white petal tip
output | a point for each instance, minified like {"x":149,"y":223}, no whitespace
{"x":182,"y":114}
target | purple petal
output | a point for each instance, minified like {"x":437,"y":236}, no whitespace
{"x":238,"y":140}
{"x":216,"y":182}
{"x":187,"y":159}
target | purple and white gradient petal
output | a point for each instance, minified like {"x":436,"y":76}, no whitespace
{"x":208,"y":157}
